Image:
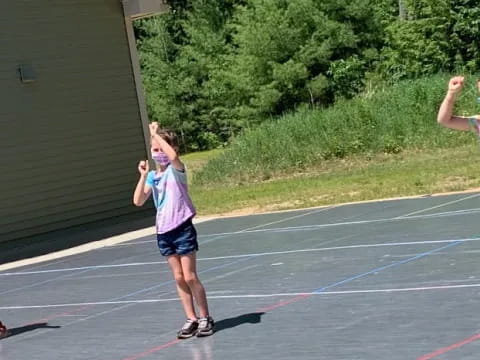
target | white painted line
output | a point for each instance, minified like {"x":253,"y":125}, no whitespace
{"x":236,"y":232}
{"x":82,"y":268}
{"x":347,"y":247}
{"x":441,"y":205}
{"x":80,"y":249}
{"x":114,"y":240}
{"x":249,"y":296}
{"x":251,"y":229}
{"x":151,"y":231}
{"x":359,"y":222}
{"x":106,"y":276}
{"x":292,"y":217}
{"x":308,"y":227}
{"x":248,"y":230}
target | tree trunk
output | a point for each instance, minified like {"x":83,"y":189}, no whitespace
{"x":402,"y":11}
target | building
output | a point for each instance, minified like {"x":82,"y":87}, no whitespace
{"x":72,"y":113}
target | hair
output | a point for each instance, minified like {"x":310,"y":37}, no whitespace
{"x":170,"y":137}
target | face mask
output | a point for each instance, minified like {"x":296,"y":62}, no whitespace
{"x":160,"y":158}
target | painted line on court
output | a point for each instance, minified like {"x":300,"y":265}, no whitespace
{"x":317,"y":291}
{"x":86,"y":269}
{"x":150,"y":230}
{"x":119,"y":239}
{"x":168,"y":282}
{"x":449,"y":348}
{"x":359,"y":222}
{"x":39,"y":283}
{"x":398,"y":263}
{"x":467,"y":211}
{"x":86,"y":306}
{"x":304,"y":215}
{"x":218,"y":236}
{"x":270,"y":253}
{"x":64,"y":314}
{"x":124,"y":304}
{"x":442,"y":205}
{"x":94,"y":245}
{"x":141,"y":291}
{"x":249,"y":296}
{"x":152,"y":350}
{"x":283,"y":303}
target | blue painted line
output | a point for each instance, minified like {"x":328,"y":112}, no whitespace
{"x":76,"y":271}
{"x":44,"y":282}
{"x":173,"y":281}
{"x":416,"y":257}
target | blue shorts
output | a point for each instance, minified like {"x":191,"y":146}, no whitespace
{"x":179,"y":241}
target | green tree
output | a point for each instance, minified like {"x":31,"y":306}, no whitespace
{"x":436,"y":36}
{"x":178,"y":51}
{"x":304,"y":51}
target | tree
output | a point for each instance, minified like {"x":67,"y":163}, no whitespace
{"x":438,"y":36}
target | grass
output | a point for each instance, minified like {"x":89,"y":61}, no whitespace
{"x":391,"y":120}
{"x":197,"y":160}
{"x":380,"y":145}
{"x":356,"y":178}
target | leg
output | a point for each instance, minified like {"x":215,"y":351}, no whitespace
{"x":183,"y":289}
{"x":205,"y":323}
{"x":189,"y":269}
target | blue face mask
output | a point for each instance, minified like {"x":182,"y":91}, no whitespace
{"x":160,"y":158}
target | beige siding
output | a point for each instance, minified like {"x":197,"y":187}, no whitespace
{"x":70,"y":141}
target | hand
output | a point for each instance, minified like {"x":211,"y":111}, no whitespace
{"x":456,"y":84}
{"x":143,"y":167}
{"x":153,"y":126}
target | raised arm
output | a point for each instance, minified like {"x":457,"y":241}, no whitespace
{"x":143,"y":190}
{"x":166,"y":148}
{"x":445,"y":116}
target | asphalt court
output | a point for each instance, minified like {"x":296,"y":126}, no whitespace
{"x":392,"y":280}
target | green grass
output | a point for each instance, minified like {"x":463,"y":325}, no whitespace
{"x":194,"y":162}
{"x":380,"y":145}
{"x":391,"y":120}
{"x":356,"y":178}
{"x":197,"y":160}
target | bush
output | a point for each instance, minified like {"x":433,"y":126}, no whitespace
{"x":389,"y":120}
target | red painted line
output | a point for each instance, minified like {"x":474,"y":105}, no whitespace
{"x":174,"y":342}
{"x":152,"y":350}
{"x":449,"y":348}
{"x":66,"y":313}
{"x":283,"y":303}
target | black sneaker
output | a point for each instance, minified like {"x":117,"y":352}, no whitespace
{"x":188,"y":329}
{"x":205,"y":326}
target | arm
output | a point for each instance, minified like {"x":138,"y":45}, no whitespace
{"x":445,"y":116}
{"x":166,"y":148}
{"x":142,"y":190}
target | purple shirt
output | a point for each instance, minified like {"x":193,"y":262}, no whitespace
{"x":170,"y":194}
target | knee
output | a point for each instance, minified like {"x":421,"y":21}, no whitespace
{"x":191,"y":278}
{"x":179,"y":277}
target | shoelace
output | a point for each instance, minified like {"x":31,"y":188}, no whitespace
{"x":187,"y":324}
{"x":203,"y":323}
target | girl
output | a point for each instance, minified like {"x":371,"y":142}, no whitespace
{"x":176,"y":235}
